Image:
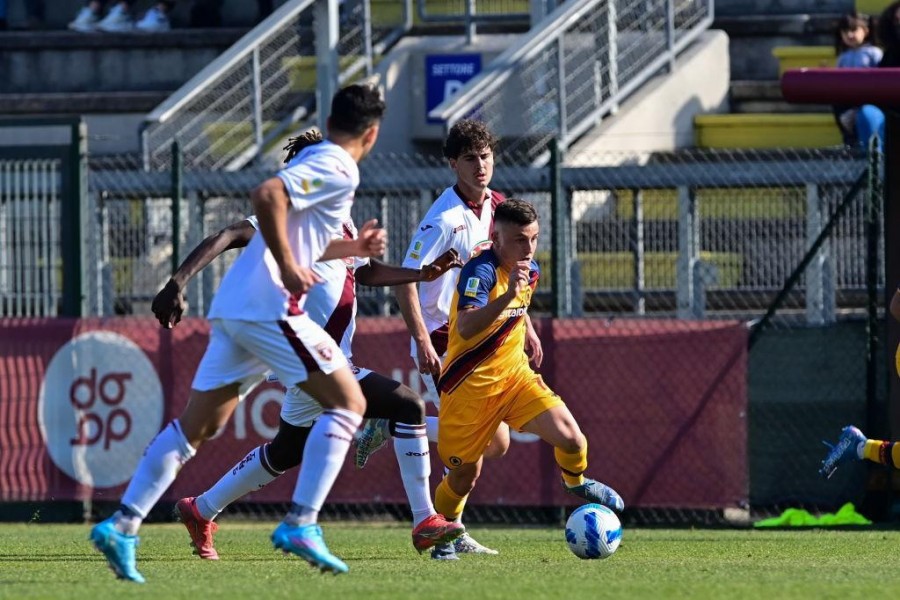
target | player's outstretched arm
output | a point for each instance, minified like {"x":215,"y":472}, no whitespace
{"x":377,"y":273}
{"x":370,"y":242}
{"x":168,"y":305}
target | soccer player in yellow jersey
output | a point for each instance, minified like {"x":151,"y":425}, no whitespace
{"x":486,"y":379}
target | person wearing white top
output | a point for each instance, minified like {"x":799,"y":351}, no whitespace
{"x":258,"y":324}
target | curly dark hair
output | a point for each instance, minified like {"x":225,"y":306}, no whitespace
{"x":296,"y":144}
{"x":468,"y":135}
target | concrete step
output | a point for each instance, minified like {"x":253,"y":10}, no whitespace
{"x":67,"y":61}
{"x":752,"y":38}
{"x":765,"y":97}
{"x":81,"y":103}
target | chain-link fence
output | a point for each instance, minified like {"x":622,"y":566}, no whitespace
{"x":719,"y":314}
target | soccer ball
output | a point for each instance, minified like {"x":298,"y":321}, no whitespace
{"x":593,"y":531}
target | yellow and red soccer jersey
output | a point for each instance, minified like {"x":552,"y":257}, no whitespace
{"x":481,"y":365}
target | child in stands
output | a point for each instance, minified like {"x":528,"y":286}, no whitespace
{"x":855,"y":49}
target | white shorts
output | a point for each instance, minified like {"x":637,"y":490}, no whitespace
{"x":242,"y":351}
{"x":300,"y":409}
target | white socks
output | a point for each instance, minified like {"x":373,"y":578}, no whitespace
{"x":431,"y":426}
{"x":158,"y":468}
{"x":411,"y":448}
{"x":326,"y":448}
{"x":251,"y":474}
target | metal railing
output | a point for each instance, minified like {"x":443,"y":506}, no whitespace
{"x":247,"y":98}
{"x":576,"y":67}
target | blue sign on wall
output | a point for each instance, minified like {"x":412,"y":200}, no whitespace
{"x":445,"y":74}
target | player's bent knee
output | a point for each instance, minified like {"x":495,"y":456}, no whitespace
{"x":462,"y":479}
{"x":286,"y":449}
{"x":410,"y":408}
{"x":499,"y":445}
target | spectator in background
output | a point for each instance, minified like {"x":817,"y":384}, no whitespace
{"x":157,"y":18}
{"x":854,"y":49}
{"x":89,"y":19}
{"x":889,"y":35}
{"x":119,"y":18}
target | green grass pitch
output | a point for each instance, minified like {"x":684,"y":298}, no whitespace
{"x":56,"y":561}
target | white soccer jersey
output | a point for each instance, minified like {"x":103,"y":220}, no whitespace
{"x":331,"y":304}
{"x":320,"y":182}
{"x":449,"y":223}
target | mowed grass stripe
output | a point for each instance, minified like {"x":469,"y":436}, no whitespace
{"x":56,"y":561}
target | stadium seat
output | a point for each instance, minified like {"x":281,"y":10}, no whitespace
{"x":796,"y":57}
{"x":763,"y":130}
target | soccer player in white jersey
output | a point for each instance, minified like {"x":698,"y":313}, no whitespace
{"x":331,"y":304}
{"x":257,"y":323}
{"x":461,"y":218}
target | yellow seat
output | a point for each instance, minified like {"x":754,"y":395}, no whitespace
{"x":615,"y":270}
{"x":872,"y":7}
{"x":798,"y":57}
{"x":718,"y":203}
{"x":764,"y":130}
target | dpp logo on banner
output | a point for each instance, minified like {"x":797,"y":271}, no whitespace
{"x":101,"y":403}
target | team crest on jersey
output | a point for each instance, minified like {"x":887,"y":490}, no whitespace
{"x":479,"y":248}
{"x":324,"y":351}
{"x":472,"y":287}
{"x":309,"y":185}
{"x":416,"y":251}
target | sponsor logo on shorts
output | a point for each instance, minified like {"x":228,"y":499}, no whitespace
{"x":472,"y":287}
{"x":455,"y":461}
{"x":324,"y":351}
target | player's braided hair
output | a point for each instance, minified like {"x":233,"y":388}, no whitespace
{"x":304,"y":140}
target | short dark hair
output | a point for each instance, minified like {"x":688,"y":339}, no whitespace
{"x":467,"y":135}
{"x":515,"y":211}
{"x":355,"y":108}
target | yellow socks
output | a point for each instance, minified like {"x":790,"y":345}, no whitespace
{"x":572,"y":465}
{"x":447,"y":502}
{"x":885,"y":453}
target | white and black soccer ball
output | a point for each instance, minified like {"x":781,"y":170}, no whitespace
{"x":593,"y":531}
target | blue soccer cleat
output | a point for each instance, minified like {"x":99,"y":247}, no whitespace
{"x":306,"y":542}
{"x":374,"y":436}
{"x":118,"y":548}
{"x":594,"y":491}
{"x":843,"y":451}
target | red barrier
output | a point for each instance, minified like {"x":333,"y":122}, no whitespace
{"x":662,"y":403}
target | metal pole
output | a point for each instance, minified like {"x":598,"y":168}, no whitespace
{"x":74,"y":224}
{"x":470,"y":22}
{"x":367,"y":35}
{"x":670,"y":33}
{"x":256,"y":94}
{"x":177,"y":192}
{"x":561,"y":250}
{"x":325,"y":17}
{"x":637,"y":226}
{"x":561,"y":90}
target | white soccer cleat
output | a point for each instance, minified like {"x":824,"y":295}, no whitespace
{"x":466,"y":544}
